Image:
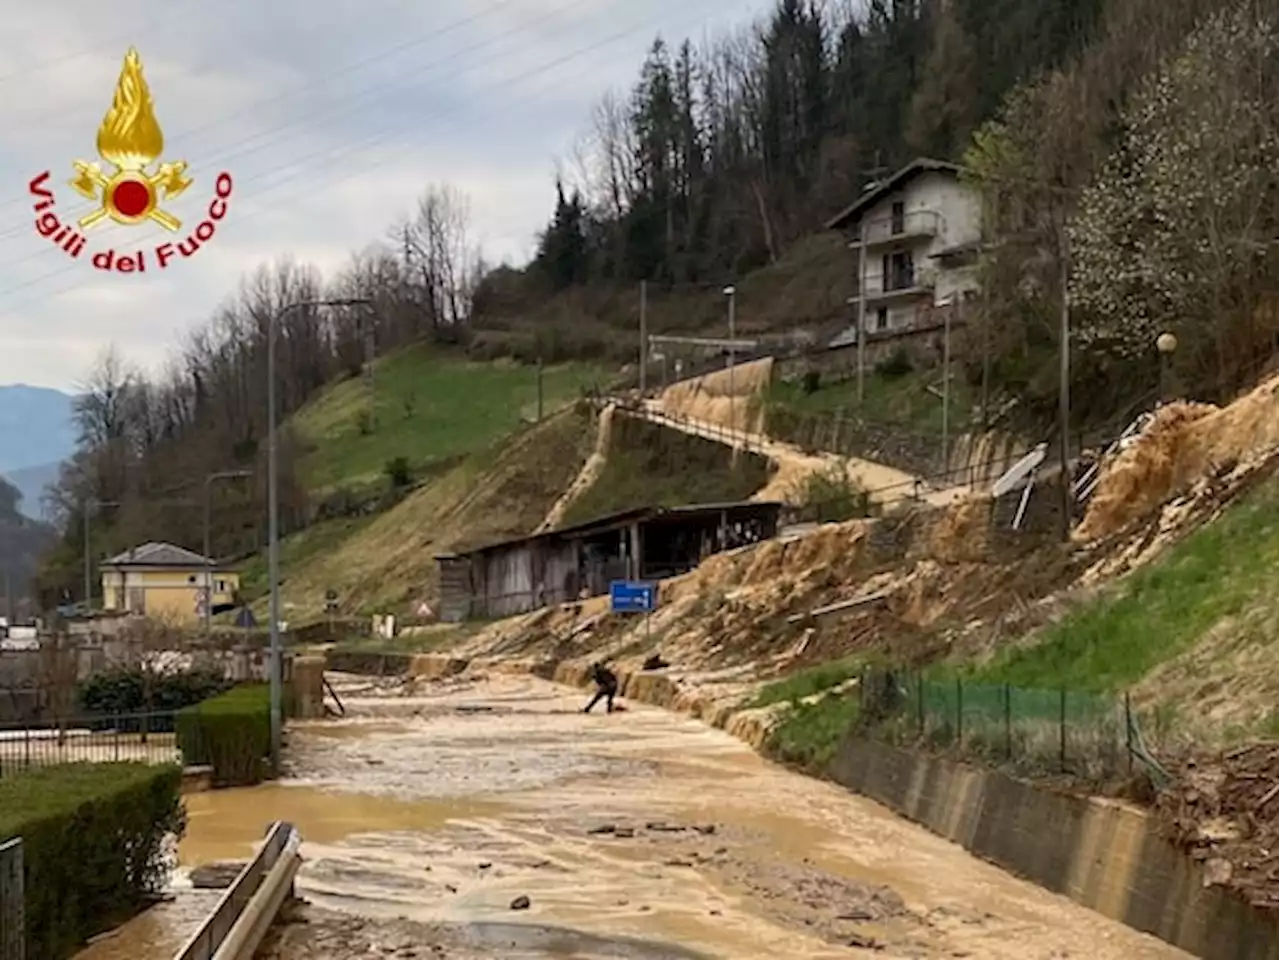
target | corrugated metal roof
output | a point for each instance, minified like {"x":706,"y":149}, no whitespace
{"x":622,"y":517}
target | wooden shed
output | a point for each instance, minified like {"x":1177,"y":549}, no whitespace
{"x":649,"y":543}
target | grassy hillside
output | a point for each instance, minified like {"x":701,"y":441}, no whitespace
{"x":1196,"y":631}
{"x":432,"y":406}
{"x":651,"y":465}
{"x":386,"y":563}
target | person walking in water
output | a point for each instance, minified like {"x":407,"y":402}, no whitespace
{"x":606,"y":687}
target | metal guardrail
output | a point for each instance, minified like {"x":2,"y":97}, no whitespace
{"x":13,"y":939}
{"x":247,"y":907}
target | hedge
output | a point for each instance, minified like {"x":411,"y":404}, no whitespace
{"x":231,"y":733}
{"x":131,"y":690}
{"x":95,"y":845}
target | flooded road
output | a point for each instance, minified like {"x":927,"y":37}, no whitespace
{"x":490,"y":818}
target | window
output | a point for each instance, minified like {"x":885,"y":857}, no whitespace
{"x":899,"y":218}
{"x":882,"y":318}
{"x":899,"y":270}
{"x":220,"y":586}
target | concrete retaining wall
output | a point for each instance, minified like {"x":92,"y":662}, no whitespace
{"x":1102,"y":854}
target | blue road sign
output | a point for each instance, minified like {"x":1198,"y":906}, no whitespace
{"x":632,"y":596}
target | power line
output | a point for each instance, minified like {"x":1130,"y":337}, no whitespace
{"x":305,"y":188}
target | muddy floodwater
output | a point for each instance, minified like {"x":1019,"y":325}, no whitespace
{"x":490,"y":818}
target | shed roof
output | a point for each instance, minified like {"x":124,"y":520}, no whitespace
{"x":877,"y":191}
{"x":622,"y":518}
{"x":158,"y":554}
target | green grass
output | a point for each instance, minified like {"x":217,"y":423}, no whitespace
{"x":431,"y":405}
{"x":296,"y":550}
{"x":650,"y":465}
{"x":904,"y":399}
{"x":808,"y":735}
{"x":1159,"y":611}
{"x":807,"y":682}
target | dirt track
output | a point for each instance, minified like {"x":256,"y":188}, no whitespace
{"x":642,"y":835}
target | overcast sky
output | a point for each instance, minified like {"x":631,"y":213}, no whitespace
{"x":331,"y":124}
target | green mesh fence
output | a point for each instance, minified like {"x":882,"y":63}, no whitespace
{"x":1034,"y":731}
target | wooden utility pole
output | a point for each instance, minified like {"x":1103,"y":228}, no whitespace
{"x":644,"y":336}
{"x":1064,"y":378}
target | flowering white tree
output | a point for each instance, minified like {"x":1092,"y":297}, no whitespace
{"x":1178,"y":230}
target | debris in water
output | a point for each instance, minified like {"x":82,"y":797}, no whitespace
{"x":521,"y":903}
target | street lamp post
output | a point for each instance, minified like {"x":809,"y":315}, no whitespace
{"x":732,"y":293}
{"x":273,"y":515}
{"x":209,"y":481}
{"x":1166,"y":344}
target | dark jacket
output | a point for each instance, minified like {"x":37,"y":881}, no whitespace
{"x":604,"y":678}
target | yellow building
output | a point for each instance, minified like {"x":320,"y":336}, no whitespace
{"x":167,"y":582}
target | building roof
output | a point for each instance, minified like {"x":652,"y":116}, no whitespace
{"x":623,"y":518}
{"x":878,"y":190}
{"x":159,"y":555}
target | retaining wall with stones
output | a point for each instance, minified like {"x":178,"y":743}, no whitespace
{"x":1105,"y":855}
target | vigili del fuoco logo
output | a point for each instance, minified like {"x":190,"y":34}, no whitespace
{"x":131,"y":192}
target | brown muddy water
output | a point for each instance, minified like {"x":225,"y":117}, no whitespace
{"x":426,"y":815}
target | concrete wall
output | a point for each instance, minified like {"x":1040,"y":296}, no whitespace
{"x":1104,"y":855}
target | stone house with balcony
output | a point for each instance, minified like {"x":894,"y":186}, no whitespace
{"x":914,"y":237}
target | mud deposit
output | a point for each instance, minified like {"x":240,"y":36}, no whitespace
{"x":488,"y":817}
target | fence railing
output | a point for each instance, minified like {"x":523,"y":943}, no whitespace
{"x":1088,"y":736}
{"x":100,"y":738}
{"x":13,"y":939}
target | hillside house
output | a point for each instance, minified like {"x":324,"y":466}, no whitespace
{"x":167,"y":581}
{"x":921,"y":229}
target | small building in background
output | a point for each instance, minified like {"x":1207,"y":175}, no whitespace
{"x":167,"y":582}
{"x":648,"y":543}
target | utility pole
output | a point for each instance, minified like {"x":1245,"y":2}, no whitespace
{"x":946,"y":388}
{"x":862,"y":305}
{"x":273,"y":518}
{"x":539,"y":376}
{"x":368,"y":370}
{"x":732,"y":293}
{"x":644,"y":335}
{"x":1064,"y":378}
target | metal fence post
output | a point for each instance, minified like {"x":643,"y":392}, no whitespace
{"x":1062,"y":729}
{"x":13,"y":933}
{"x":920,"y":701}
{"x":959,"y":711}
{"x":1008,"y":723}
{"x":1128,"y":731}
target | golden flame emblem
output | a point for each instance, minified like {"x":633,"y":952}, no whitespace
{"x":130,"y":140}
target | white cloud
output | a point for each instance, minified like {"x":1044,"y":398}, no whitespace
{"x":332,"y":125}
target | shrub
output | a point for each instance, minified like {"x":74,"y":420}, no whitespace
{"x":230,"y":732}
{"x":398,"y":472}
{"x":829,"y":496}
{"x":95,"y":845}
{"x":896,"y":364}
{"x":134,"y":689}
